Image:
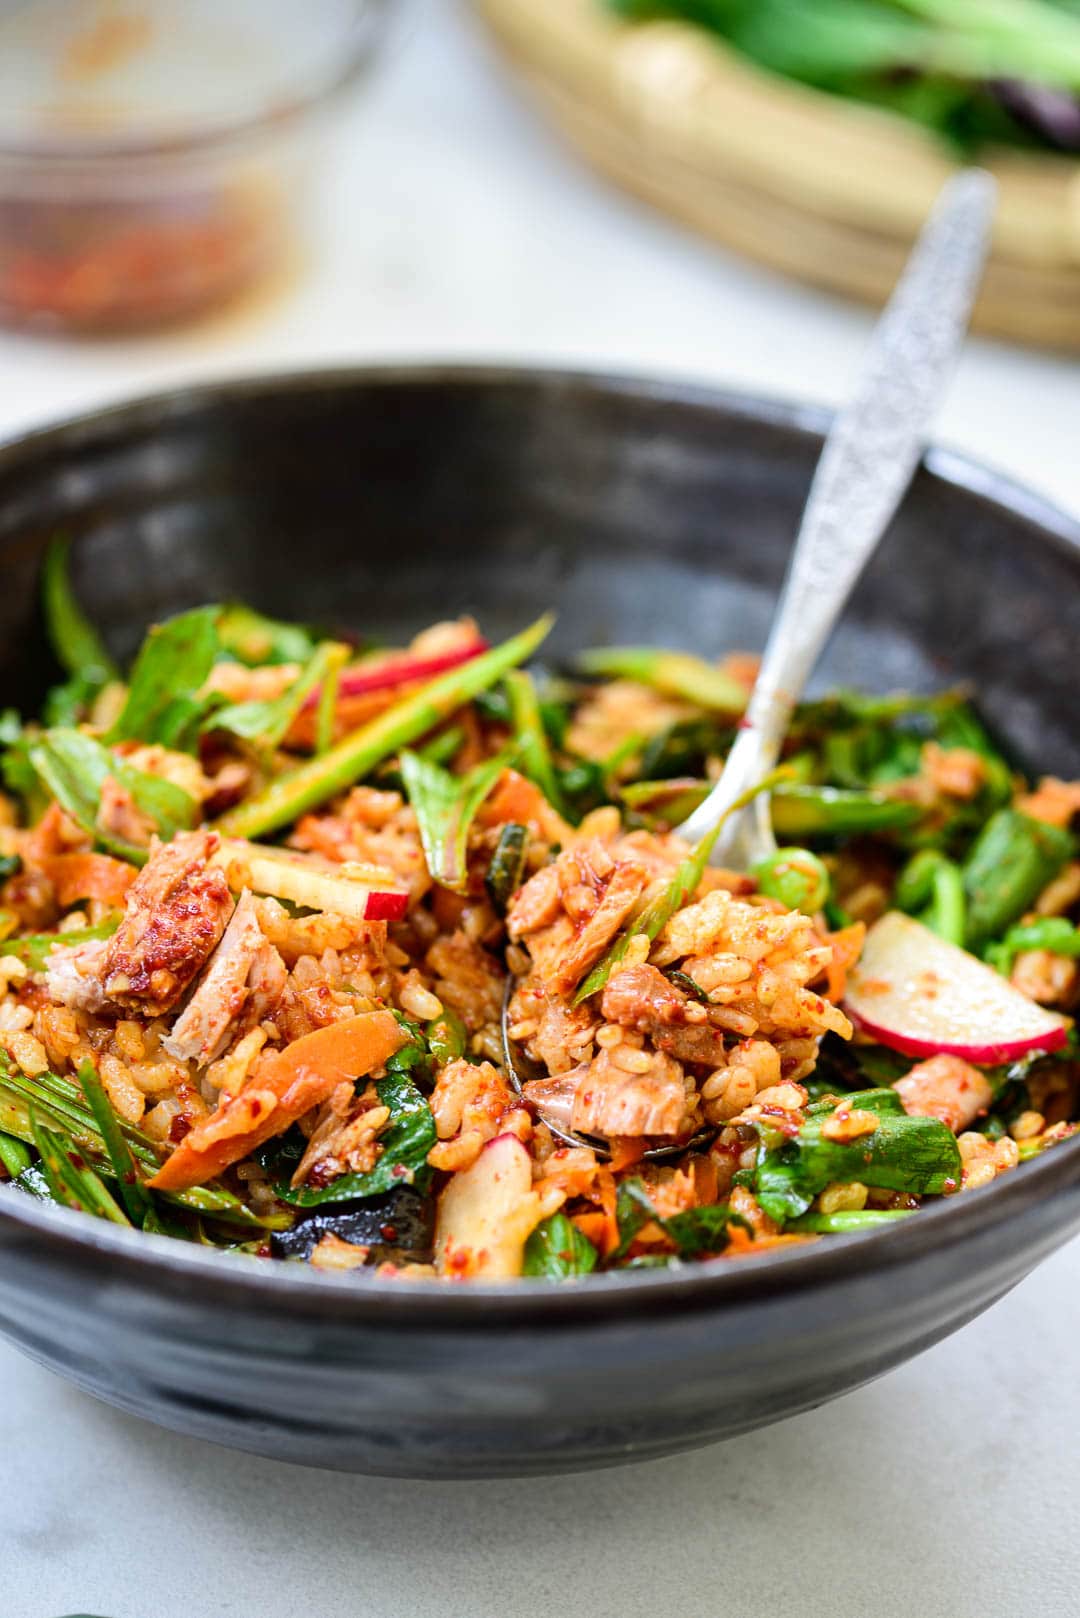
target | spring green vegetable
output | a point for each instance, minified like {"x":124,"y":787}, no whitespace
{"x":931,"y":888}
{"x":447,"y":1038}
{"x":1010,"y":863}
{"x":676,"y":674}
{"x":686,"y":879}
{"x":406,"y":1142}
{"x":683,"y":749}
{"x":71,"y":1180}
{"x":61,"y":1106}
{"x":1053,"y":933}
{"x":445,"y":807}
{"x":34,"y":950}
{"x":337,"y":656}
{"x":916,"y":1155}
{"x":164,"y":701}
{"x":800,"y":810}
{"x":528,"y":726}
{"x":796,"y":877}
{"x":682,"y":981}
{"x":507,"y":866}
{"x":136,"y":1199}
{"x":557,"y":1250}
{"x":250,"y":637}
{"x":14,"y":1157}
{"x":79,"y":648}
{"x":74,"y":768}
{"x":669,"y":802}
{"x":311,"y":783}
{"x":694,"y":1232}
{"x":846,"y":1220}
{"x":268,"y":722}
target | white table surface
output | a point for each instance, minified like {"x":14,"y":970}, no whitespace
{"x":454,"y":227}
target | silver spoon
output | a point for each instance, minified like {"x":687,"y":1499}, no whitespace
{"x":866,"y":465}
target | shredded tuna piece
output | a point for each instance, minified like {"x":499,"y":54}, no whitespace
{"x":176,"y":913}
{"x":948,"y":1088}
{"x":74,"y":973}
{"x":595,"y":897}
{"x":609,"y":1100}
{"x":206,"y":1024}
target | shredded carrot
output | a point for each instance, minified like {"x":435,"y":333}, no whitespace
{"x":626,"y":1150}
{"x":846,"y":948}
{"x":280,"y":1088}
{"x":89,"y":876}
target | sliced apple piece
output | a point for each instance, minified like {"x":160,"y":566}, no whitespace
{"x":920,"y":995}
{"x":488,"y":1212}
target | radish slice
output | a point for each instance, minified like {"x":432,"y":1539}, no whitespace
{"x":361,"y":892}
{"x":487,"y":1213}
{"x":401,"y":670}
{"x":920,"y":995}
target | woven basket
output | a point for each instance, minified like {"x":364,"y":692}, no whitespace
{"x":819,"y":187}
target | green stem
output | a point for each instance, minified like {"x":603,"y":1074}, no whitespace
{"x":312,"y":782}
{"x":531,"y":737}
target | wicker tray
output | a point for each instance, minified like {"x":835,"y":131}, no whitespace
{"x":812,"y":185}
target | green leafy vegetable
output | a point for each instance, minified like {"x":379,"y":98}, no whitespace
{"x":931,"y":888}
{"x":1012,"y":860}
{"x":135,"y":1197}
{"x":164,"y":701}
{"x":62,"y":1107}
{"x":915,"y":1155}
{"x":557,"y":1250}
{"x":1052,"y":933}
{"x":799,"y":810}
{"x":447,"y":1038}
{"x":507,"y":866}
{"x":531,"y":737}
{"x":268,"y":722}
{"x":312,"y":782}
{"x":34,"y":949}
{"x":14,"y":1157}
{"x":694,"y":1232}
{"x":682,"y":981}
{"x":445,"y":807}
{"x":846,"y":1220}
{"x":406,"y":1142}
{"x":683,"y":749}
{"x":77,"y":644}
{"x":326,"y":711}
{"x":676,"y":674}
{"x":71,"y":1180}
{"x":74,"y":768}
{"x":252,"y":638}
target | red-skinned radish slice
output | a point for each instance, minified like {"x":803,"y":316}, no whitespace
{"x":400,"y":670}
{"x":488,"y":1212}
{"x":920,"y":995}
{"x":362,"y":892}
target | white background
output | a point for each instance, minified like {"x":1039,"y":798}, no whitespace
{"x":453,"y":226}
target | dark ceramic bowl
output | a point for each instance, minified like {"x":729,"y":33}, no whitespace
{"x":643,"y":512}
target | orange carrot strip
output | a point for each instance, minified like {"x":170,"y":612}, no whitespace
{"x":282,"y":1086}
{"x":89,"y":876}
{"x":846,"y":948}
